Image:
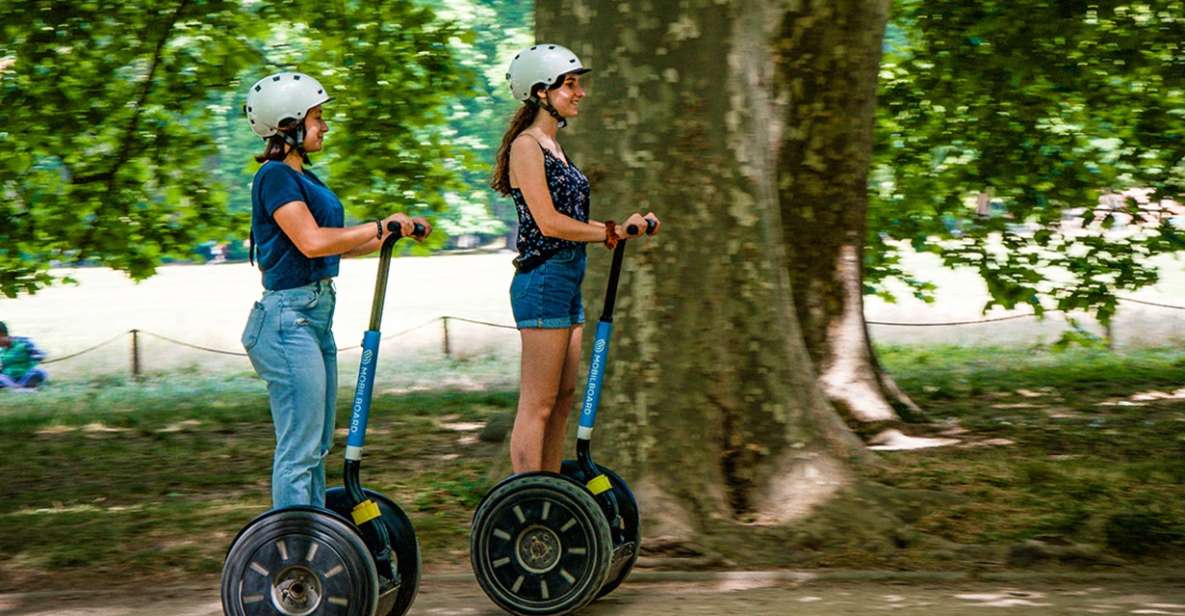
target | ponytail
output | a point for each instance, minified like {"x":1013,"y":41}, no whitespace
{"x":500,"y":181}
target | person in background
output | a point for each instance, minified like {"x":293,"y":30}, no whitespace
{"x":18,"y":362}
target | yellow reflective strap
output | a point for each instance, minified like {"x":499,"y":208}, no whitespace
{"x":366,"y":511}
{"x":599,"y":484}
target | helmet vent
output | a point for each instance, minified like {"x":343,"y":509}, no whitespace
{"x":248,"y":110}
{"x":296,"y":77}
{"x":320,"y":91}
{"x":276,"y":78}
{"x":572,"y":61}
{"x":551,"y":46}
{"x":257,"y":88}
{"x":533,"y":48}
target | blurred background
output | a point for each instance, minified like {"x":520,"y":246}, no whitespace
{"x":923,"y":255}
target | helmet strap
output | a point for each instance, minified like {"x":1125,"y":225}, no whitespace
{"x":296,"y":140}
{"x":546,"y":106}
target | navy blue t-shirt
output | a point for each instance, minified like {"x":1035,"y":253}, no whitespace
{"x":283,"y":265}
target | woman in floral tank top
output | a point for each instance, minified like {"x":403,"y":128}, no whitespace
{"x":552,"y":199}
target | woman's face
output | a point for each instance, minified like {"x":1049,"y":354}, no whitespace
{"x":566,"y":98}
{"x":314,"y":130}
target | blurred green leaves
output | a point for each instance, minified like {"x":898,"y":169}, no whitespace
{"x":123,"y":135}
{"x":1042,"y":106}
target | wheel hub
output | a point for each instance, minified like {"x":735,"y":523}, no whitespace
{"x":296,"y":591}
{"x":538,"y":549}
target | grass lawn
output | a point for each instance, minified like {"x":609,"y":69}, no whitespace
{"x":150,"y":481}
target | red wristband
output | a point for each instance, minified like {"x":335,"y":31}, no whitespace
{"x":610,"y":234}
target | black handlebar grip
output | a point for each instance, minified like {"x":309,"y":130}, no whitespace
{"x":417,"y":231}
{"x":650,"y":227}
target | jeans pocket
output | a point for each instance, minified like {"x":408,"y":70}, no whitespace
{"x":301,"y":299}
{"x":520,"y":283}
{"x":254,"y":326}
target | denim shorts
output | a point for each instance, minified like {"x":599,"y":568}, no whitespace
{"x":548,"y":296}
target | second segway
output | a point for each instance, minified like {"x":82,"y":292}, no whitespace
{"x":544,"y":543}
{"x":356,"y":557}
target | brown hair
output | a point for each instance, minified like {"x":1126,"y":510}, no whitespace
{"x":274,"y":150}
{"x":500,"y":181}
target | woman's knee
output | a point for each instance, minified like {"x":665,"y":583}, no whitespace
{"x":539,"y":408}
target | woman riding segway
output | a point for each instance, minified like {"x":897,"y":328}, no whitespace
{"x":551,"y":538}
{"x":350,"y":551}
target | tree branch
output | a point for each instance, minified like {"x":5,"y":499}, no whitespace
{"x":125,"y":151}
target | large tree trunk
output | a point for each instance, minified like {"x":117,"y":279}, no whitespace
{"x":828,"y":54}
{"x":711,"y":406}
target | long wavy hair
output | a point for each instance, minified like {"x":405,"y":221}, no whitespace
{"x":500,"y":181}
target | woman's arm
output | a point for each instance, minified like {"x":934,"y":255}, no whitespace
{"x":370,"y":246}
{"x":527,"y":167}
{"x":313,"y":240}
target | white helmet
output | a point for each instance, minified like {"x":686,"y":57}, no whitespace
{"x":277,"y":99}
{"x":541,"y":64}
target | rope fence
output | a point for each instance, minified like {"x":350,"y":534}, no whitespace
{"x":447,"y":344}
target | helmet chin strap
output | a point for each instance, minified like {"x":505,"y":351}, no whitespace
{"x":546,"y":106}
{"x":296,"y":140}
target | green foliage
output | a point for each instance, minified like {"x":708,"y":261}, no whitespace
{"x":124,"y":137}
{"x":494,"y":30}
{"x":1043,"y":105}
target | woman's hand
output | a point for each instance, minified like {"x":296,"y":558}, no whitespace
{"x":657,"y":223}
{"x":637,"y":221}
{"x":406,"y":225}
{"x":420,"y":220}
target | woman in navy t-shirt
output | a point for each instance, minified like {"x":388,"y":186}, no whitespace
{"x":298,"y":235}
{"x":552,"y":199}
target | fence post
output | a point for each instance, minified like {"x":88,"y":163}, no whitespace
{"x":444,"y":322}
{"x":136,"y":354}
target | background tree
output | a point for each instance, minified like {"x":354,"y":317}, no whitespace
{"x":1037,"y":108}
{"x":491,"y":31}
{"x":1050,"y":118}
{"x":124,"y":138}
{"x":712,"y":407}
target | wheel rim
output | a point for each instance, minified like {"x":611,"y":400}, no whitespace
{"x":538,"y":550}
{"x":297,"y":574}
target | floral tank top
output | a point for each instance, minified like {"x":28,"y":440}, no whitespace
{"x":569,"y":194}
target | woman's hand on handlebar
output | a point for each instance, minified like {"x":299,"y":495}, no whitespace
{"x":423,"y":222}
{"x":640,"y":224}
{"x":406,"y":225}
{"x":634,"y":220}
{"x":654,"y":221}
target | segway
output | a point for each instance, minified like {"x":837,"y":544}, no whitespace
{"x":356,"y":557}
{"x":547,"y":543}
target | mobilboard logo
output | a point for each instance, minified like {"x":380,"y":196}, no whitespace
{"x":599,"y":346}
{"x":367,"y":355}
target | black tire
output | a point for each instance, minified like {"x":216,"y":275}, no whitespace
{"x":299,"y":561}
{"x":403,"y":541}
{"x":540,"y":545}
{"x":630,"y":516}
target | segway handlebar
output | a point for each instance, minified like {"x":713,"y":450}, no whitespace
{"x":394,"y":227}
{"x":650,"y":227}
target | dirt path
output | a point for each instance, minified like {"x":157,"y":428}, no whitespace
{"x":748,"y":596}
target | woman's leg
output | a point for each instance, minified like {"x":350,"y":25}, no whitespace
{"x":555,"y":434}
{"x":288,"y":356}
{"x":542,"y":366}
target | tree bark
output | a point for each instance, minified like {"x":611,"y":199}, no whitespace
{"x":711,"y":406}
{"x":827,"y":56}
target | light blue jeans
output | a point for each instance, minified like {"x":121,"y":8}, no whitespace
{"x":289,"y":338}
